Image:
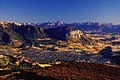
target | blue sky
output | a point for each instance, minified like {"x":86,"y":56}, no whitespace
{"x":63,"y":10}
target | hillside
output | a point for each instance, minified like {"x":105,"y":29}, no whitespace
{"x":27,"y":35}
{"x":70,"y":70}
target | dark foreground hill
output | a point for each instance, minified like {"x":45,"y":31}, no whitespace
{"x":70,"y":71}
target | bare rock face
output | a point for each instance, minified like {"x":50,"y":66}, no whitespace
{"x":77,"y":40}
{"x":77,"y":36}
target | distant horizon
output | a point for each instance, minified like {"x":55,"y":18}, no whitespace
{"x":104,"y":11}
{"x":60,"y":21}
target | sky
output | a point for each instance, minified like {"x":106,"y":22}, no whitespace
{"x":62,"y":10}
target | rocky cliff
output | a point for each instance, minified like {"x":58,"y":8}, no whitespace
{"x":78,"y":36}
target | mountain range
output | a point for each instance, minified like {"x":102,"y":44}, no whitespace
{"x":72,"y":34}
{"x":87,"y":26}
{"x":28,"y":34}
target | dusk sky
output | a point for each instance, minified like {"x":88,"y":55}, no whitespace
{"x":63,"y":10}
